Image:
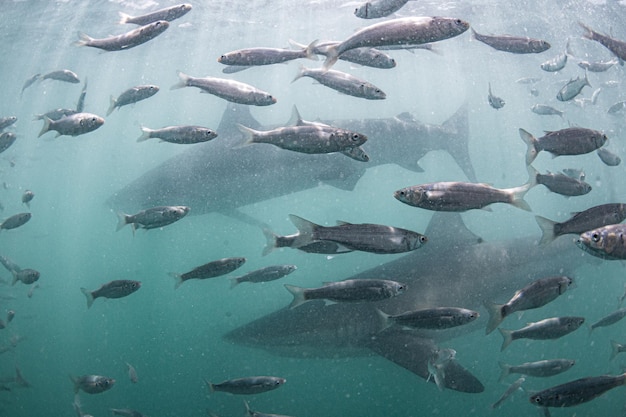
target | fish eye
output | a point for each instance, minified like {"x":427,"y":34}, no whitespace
{"x":537,"y":399}
{"x":356,"y":136}
{"x":595,"y":237}
{"x":423,"y":239}
{"x":157,"y":24}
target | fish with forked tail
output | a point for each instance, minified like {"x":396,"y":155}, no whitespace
{"x":152,"y":218}
{"x":568,"y":141}
{"x":552,"y":328}
{"x":114,"y":289}
{"x":127,"y":40}
{"x":209,"y":270}
{"x":513,"y":44}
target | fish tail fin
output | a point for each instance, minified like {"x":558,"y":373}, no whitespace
{"x":518,"y":194}
{"x":270,"y":241}
{"x":300,"y":74}
{"x":309,"y":51}
{"x":306,"y":229}
{"x":248,"y":410}
{"x":89,"y":296}
{"x":46,"y":125}
{"x":614,"y":349}
{"x":76,"y":384}
{"x":473,"y":33}
{"x":177,"y":277}
{"x":298,"y":295}
{"x":507,"y":335}
{"x":145,"y":134}
{"x":15,"y":277}
{"x":332,"y":55}
{"x":113,"y":103}
{"x":531,"y":142}
{"x":547,"y":229}
{"x":234,"y":282}
{"x":249,"y":134}
{"x":122,"y":220}
{"x":124,"y":18}
{"x":209,"y":385}
{"x":83,"y":39}
{"x":495,"y":316}
{"x":587,"y":80}
{"x":505,"y":370}
{"x":297,"y":44}
{"x":184,"y":79}
{"x":588,"y":34}
{"x":385,"y":321}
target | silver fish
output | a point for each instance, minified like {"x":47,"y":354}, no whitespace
{"x":62,"y":75}
{"x":608,"y":242}
{"x":543,"y":368}
{"x":269,"y":273}
{"x":546,"y":110}
{"x":152,"y":218}
{"x":568,"y":141}
{"x":551,"y":328}
{"x":179,"y":134}
{"x":560,"y":183}
{"x":347,"y":291}
{"x":616,"y":348}
{"x":80,"y":105}
{"x":266,"y":56}
{"x":322,"y":246}
{"x":401,"y":31}
{"x":26,"y":276}
{"x":92,"y":384}
{"x":27,"y":197}
{"x":592,"y":218}
{"x":572,"y":88}
{"x":509,"y":391}
{"x":132,"y":373}
{"x":30,"y":81}
{"x":127,"y":40}
{"x":375,"y":9}
{"x":610,"y":319}
{"x":209,"y":270}
{"x":461,"y":196}
{"x":608,"y":157}
{"x":598,"y":66}
{"x":248,"y":385}
{"x":528,"y":80}
{"x":368,"y":57}
{"x":495,"y":102}
{"x":555,"y":64}
{"x":435,"y":318}
{"x":234,"y":91}
{"x":55,"y":114}
{"x":167,"y":14}
{"x":617,"y":107}
{"x":574,"y":173}
{"x":536,"y":294}
{"x":7,"y":121}
{"x":114,"y":289}
{"x":6,"y":140}
{"x":614,"y":45}
{"x":310,"y":139}
{"x":132,"y":95}
{"x":15,"y":221}
{"x":513,"y":44}
{"x":578,"y":391}
{"x":72,"y":125}
{"x":343,"y":82}
{"x":373,"y":238}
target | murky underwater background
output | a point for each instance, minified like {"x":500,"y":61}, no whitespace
{"x":173,"y":338}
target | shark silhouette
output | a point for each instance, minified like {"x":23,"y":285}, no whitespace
{"x":220,"y":175}
{"x":456,"y":268}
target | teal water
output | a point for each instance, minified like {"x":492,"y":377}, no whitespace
{"x":174,"y":338}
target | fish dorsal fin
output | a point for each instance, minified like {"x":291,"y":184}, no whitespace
{"x":406,"y":117}
{"x":295,"y":119}
{"x":445,"y":228}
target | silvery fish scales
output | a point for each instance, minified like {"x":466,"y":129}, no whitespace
{"x":568,"y":141}
{"x":230,"y":90}
{"x":513,"y":44}
{"x":608,"y":242}
{"x":73,"y":125}
{"x":552,"y":328}
{"x":614,"y":45}
{"x":127,"y":40}
{"x":375,"y":9}
{"x":249,"y":385}
{"x":168,"y":14}
{"x":577,"y":392}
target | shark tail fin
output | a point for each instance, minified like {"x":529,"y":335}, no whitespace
{"x":547,"y":230}
{"x":507,"y":335}
{"x":495,"y":316}
{"x":531,"y":142}
{"x":505,"y":370}
{"x":299,"y":296}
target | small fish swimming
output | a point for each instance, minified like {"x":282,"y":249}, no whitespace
{"x":617,"y":107}
{"x":616,"y":348}
{"x":610,"y":319}
{"x":267,"y":56}
{"x":27,"y":197}
{"x":560,"y":183}
{"x":152,"y":218}
{"x":495,"y":102}
{"x":577,"y":392}
{"x":132,"y":96}
{"x":572,"y":88}
{"x":343,"y":82}
{"x":568,"y":141}
{"x":291,"y":241}
{"x":614,"y":45}
{"x":608,"y":242}
{"x":608,"y":157}
{"x":230,"y":90}
{"x":269,"y":273}
{"x":375,"y":9}
{"x":132,"y":373}
{"x":598,"y":66}
{"x":114,"y":289}
{"x":72,"y":125}
{"x":55,"y":114}
{"x":509,"y":391}
{"x":536,"y":294}
{"x":542,"y":369}
{"x":435,"y":318}
{"x":552,"y":328}
{"x":592,"y":218}
{"x":461,"y":196}
{"x":64,"y":75}
{"x":182,"y":135}
{"x":15,"y":221}
{"x":545,"y":110}
{"x":348,"y":291}
{"x":7,"y":121}
{"x":127,"y":40}
{"x":248,"y":385}
{"x":368,"y":57}
{"x":6,"y":140}
{"x":80,"y":104}
{"x":26,"y":276}
{"x":30,"y":81}
{"x":574,"y":173}
{"x":92,"y":384}
{"x":513,"y":44}
{"x":167,"y":14}
{"x":209,"y":270}
{"x":555,"y":64}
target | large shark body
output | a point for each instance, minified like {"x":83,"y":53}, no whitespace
{"x":221,"y":175}
{"x":456,"y":268}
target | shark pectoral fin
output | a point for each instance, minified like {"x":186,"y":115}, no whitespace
{"x":447,"y":227}
{"x":344,"y":179}
{"x":413,"y":352}
{"x":412,"y":167}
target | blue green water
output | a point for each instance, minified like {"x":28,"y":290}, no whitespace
{"x":173,"y":338}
